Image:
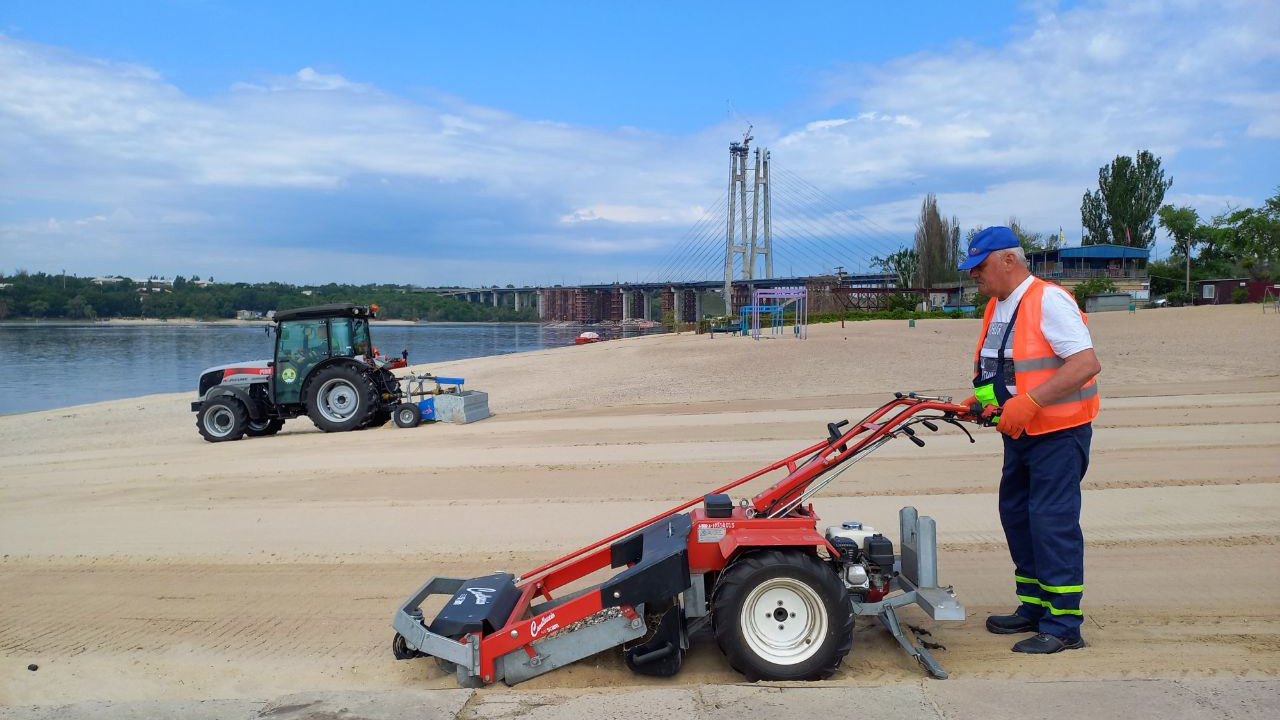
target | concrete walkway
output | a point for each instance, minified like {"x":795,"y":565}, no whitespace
{"x":927,"y":700}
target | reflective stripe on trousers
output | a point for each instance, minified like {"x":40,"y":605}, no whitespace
{"x":1052,"y":598}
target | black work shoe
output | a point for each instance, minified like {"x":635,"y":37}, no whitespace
{"x":1044,"y":644}
{"x":1010,"y":624}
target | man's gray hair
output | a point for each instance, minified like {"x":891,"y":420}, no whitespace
{"x":1017,"y":252}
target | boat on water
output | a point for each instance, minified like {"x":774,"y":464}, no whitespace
{"x":587,"y":337}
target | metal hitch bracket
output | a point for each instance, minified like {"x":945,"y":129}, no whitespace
{"x":917,"y":578}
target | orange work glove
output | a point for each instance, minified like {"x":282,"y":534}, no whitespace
{"x":970,"y":402}
{"x":1015,"y":414}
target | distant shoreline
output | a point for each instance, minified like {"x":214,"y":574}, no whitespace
{"x":258,"y":322}
{"x":234,"y":322}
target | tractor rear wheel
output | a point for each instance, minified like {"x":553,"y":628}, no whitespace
{"x":221,"y":419}
{"x":263,"y":428}
{"x":340,"y":398}
{"x":782,"y":615}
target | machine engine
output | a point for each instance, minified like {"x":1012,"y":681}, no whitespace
{"x":866,"y":559}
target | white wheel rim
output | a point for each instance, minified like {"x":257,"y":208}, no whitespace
{"x":219,"y":421}
{"x":783,"y":621}
{"x":338,"y":400}
{"x":407,"y":416}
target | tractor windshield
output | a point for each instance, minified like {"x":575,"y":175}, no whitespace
{"x":303,"y":339}
{"x":350,"y":337}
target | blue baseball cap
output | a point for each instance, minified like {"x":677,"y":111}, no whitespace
{"x":986,"y":241}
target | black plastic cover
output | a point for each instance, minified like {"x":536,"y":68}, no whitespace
{"x":322,"y":311}
{"x":661,"y":655}
{"x":848,"y":548}
{"x":481,"y":605}
{"x":718,"y":505}
{"x":661,"y":570}
{"x":879,"y":551}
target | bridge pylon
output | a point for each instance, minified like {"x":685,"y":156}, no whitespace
{"x":748,"y":235}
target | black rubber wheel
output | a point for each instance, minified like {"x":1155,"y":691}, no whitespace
{"x":263,"y":428}
{"x":377,"y":419}
{"x":221,"y":419}
{"x":400,"y":649}
{"x":408,"y":415}
{"x":340,"y":398}
{"x":782,"y":615}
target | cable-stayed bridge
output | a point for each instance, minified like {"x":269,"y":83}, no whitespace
{"x":772,"y":228}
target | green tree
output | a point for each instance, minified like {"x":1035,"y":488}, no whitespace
{"x":936,"y":244}
{"x":38,"y":308}
{"x":1093,"y":218}
{"x":905,"y":264}
{"x":75,"y":307}
{"x":956,"y":253}
{"x":1181,"y":223}
{"x":1123,"y":208}
{"x":1031,"y":241}
{"x":1241,"y":241}
{"x":1092,"y":286}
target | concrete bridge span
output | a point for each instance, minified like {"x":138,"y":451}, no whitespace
{"x":685,"y":301}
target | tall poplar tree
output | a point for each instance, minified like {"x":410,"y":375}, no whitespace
{"x":936,"y":244}
{"x":1123,"y":208}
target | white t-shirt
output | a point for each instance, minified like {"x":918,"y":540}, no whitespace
{"x":1060,"y":322}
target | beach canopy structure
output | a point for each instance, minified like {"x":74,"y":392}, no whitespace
{"x":794,"y":301}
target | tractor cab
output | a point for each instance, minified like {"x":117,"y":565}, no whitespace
{"x":303,"y":343}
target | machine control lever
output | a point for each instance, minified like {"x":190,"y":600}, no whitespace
{"x":833,"y":431}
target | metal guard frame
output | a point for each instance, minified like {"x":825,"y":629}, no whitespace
{"x":917,"y":578}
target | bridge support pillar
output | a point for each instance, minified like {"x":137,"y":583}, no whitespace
{"x":516,"y":295}
{"x":626,"y":304}
{"x":542,"y":305}
{"x":645,"y":312}
{"x":679,"y":305}
{"x":697,"y":305}
{"x":495,"y":298}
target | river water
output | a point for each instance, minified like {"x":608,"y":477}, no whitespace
{"x":47,"y":365}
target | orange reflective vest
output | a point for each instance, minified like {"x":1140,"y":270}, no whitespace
{"x":1034,"y":362}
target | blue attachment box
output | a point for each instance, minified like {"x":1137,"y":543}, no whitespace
{"x":427,"y":408}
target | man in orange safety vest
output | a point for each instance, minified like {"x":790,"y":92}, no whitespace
{"x":1034,"y":371}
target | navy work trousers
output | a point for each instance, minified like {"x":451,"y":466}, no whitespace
{"x":1040,"y":511}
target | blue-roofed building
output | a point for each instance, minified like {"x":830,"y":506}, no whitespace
{"x":1125,"y":266}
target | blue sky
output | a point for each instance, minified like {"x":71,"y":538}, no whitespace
{"x":460,"y":143}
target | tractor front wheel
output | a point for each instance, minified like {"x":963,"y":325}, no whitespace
{"x":782,"y":615}
{"x":221,"y":419}
{"x":340,"y":398}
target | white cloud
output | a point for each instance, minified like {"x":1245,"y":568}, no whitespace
{"x":635,"y":214}
{"x":131,"y":166}
{"x":310,"y":79}
{"x":307,"y":130}
{"x":1066,"y":94}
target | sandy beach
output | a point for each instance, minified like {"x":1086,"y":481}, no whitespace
{"x":144,"y":565}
